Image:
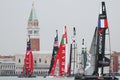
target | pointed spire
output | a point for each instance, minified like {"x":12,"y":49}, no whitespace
{"x":33,"y":3}
{"x":33,"y":16}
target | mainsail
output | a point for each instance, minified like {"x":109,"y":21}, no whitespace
{"x":28,"y":62}
{"x":73,"y":55}
{"x":97,"y":50}
{"x":59,"y":62}
{"x":101,"y":32}
{"x":84,"y":55}
{"x":98,"y":43}
{"x":92,"y":53}
{"x":55,"y":51}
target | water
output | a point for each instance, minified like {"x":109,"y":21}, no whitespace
{"x":37,"y":78}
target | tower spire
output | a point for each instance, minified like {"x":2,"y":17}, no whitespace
{"x":32,"y":3}
{"x":33,"y":29}
{"x":33,"y":16}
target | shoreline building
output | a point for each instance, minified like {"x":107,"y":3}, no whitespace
{"x":115,"y":63}
{"x":41,"y":63}
{"x":7,"y":65}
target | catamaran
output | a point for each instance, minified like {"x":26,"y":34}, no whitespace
{"x":59,"y":65}
{"x":55,"y":51}
{"x":74,"y":56}
{"x":28,"y":67}
{"x":98,"y":59}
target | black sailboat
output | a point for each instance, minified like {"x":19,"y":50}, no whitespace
{"x":97,"y":50}
{"x":55,"y":51}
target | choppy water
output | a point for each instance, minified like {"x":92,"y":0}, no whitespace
{"x":37,"y":78}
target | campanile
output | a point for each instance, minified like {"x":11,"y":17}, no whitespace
{"x":33,"y":30}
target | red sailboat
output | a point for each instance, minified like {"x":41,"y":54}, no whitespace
{"x":58,"y":68}
{"x":28,"y":62}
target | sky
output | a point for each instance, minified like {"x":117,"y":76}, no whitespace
{"x":52,"y":15}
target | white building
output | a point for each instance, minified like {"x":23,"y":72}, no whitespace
{"x":41,"y":63}
{"x":13,"y":65}
{"x":7,"y":65}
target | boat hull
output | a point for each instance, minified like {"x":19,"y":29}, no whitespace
{"x":93,"y":77}
{"x":21,"y":76}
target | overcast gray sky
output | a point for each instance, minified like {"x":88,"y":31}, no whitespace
{"x":52,"y":15}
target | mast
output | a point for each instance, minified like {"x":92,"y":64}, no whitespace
{"x":70,"y":57}
{"x":101,"y":32}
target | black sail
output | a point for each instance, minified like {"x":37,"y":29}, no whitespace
{"x":55,"y":50}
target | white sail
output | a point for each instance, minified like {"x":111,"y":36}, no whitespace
{"x":92,"y":52}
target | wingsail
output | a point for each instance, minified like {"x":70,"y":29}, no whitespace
{"x":28,"y":62}
{"x":58,"y":67}
{"x":55,"y":51}
{"x":93,"y":54}
{"x":97,"y":50}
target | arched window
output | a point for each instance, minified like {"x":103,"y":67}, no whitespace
{"x":45,"y":61}
{"x":39,"y":60}
{"x":30,"y":32}
{"x":35,"y":32}
{"x":35,"y":61}
{"x":19,"y":61}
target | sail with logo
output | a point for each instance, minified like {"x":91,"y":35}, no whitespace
{"x":55,"y":51}
{"x":97,"y":50}
{"x":28,"y":67}
{"x":58,"y":68}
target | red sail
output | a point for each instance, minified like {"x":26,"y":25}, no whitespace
{"x":55,"y":51}
{"x":60,"y":57}
{"x":52,"y":73}
{"x":28,"y":61}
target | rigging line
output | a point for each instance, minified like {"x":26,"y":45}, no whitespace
{"x":110,"y":49}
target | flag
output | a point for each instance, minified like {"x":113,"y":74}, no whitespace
{"x":28,"y":46}
{"x":102,"y":20}
{"x":56,"y":39}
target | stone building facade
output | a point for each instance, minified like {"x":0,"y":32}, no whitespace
{"x":13,"y":65}
{"x":7,"y":65}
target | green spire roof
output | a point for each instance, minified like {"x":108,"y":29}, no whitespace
{"x":32,"y":16}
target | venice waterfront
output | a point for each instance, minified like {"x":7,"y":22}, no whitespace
{"x":37,"y":78}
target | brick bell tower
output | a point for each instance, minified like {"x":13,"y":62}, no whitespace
{"x":33,"y":30}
